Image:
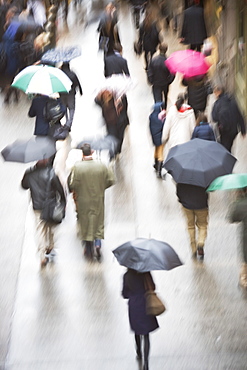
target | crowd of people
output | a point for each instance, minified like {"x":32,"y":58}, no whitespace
{"x":183,"y":121}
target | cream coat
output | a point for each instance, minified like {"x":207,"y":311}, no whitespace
{"x":178,"y":127}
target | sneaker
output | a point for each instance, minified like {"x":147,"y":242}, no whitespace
{"x":243,"y":276}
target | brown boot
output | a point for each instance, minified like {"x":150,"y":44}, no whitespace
{"x":243,"y":276}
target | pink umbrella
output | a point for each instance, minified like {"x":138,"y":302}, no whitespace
{"x":188,"y":62}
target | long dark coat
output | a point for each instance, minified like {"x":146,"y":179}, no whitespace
{"x":194,"y":28}
{"x":89,"y":180}
{"x":134,"y":290}
{"x":149,"y":37}
{"x":197,"y":93}
{"x":156,"y":125}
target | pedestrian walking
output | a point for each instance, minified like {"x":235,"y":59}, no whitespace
{"x":114,"y":63}
{"x":238,"y":213}
{"x":68,"y":99}
{"x":149,"y":37}
{"x":198,"y":89}
{"x":114,"y":112}
{"x":159,"y":75}
{"x":107,"y":28}
{"x":138,"y":7}
{"x":180,"y":123}
{"x":194,"y":200}
{"x":43,"y":184}
{"x":88,"y":181}
{"x":156,"y":123}
{"x":203,"y":130}
{"x":140,"y":323}
{"x":228,"y":117}
{"x":194,"y":28}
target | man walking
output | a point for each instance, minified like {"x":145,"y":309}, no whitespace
{"x":159,"y":75}
{"x":114,"y":63}
{"x":228,"y":117}
{"x":38,"y":179}
{"x":88,"y":181}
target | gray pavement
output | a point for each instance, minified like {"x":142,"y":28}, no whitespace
{"x":72,"y":315}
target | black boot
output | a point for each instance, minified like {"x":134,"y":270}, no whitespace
{"x":159,"y":168}
{"x":155,"y":164}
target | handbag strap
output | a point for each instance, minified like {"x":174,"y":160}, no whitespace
{"x":148,"y":285}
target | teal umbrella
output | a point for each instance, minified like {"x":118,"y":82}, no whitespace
{"x":229,"y":182}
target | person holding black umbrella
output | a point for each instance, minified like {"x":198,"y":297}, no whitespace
{"x":141,"y":323}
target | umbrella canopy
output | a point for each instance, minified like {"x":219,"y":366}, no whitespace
{"x":108,"y":142}
{"x":198,"y":162}
{"x":188,"y":62}
{"x":40,"y":79}
{"x":229,"y":182}
{"x":117,"y":83}
{"x":146,"y":255}
{"x":57,"y":55}
{"x":34,"y":149}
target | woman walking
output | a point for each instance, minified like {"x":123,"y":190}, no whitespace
{"x":141,"y":323}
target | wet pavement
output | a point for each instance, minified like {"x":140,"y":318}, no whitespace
{"x":71,"y":315}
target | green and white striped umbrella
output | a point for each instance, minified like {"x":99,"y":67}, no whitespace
{"x":42,"y":79}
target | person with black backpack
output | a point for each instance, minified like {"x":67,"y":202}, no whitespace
{"x":228,"y":117}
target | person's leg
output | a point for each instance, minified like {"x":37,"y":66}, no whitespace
{"x":165,"y":93}
{"x":157,"y":93}
{"x":202,"y":224}
{"x":227,"y":141}
{"x":146,"y":351}
{"x":160,"y":155}
{"x":190,"y":217}
{"x":138,"y":346}
{"x":97,"y":244}
{"x":43,"y":238}
{"x":88,"y":252}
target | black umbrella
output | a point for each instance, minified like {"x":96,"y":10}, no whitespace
{"x":146,"y":255}
{"x":198,"y":162}
{"x":34,"y":149}
{"x":57,"y":55}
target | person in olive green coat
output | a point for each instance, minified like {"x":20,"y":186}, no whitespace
{"x":238,"y":213}
{"x":88,"y":181}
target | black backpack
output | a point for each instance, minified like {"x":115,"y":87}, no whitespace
{"x":54,"y":110}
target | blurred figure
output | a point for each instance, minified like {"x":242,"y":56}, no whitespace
{"x":138,"y":7}
{"x":194,"y":200}
{"x":114,"y":112}
{"x":194,"y":28}
{"x":228,"y":117}
{"x":107,"y":28}
{"x":203,"y":130}
{"x":36,"y":179}
{"x":114,"y":63}
{"x":238,"y":213}
{"x":149,"y":37}
{"x":198,"y":90}
{"x":156,"y":124}
{"x":88,"y":181}
{"x":69,"y":99}
{"x":159,"y":75}
{"x":180,"y":123}
{"x":141,"y":323}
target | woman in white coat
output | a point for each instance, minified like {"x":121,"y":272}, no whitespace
{"x":180,"y":123}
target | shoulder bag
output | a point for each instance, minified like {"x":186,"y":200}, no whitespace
{"x":154,"y":305}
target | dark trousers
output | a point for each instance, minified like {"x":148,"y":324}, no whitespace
{"x":227,"y":140}
{"x":160,"y":94}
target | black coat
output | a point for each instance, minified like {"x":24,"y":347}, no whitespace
{"x":194,"y":28}
{"x":115,"y":64}
{"x":36,"y":179}
{"x":134,"y":290}
{"x":197,"y":93}
{"x":37,"y":110}
{"x":228,"y":116}
{"x":149,"y":37}
{"x":192,"y":197}
{"x":158,"y":74}
{"x":156,"y":125}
